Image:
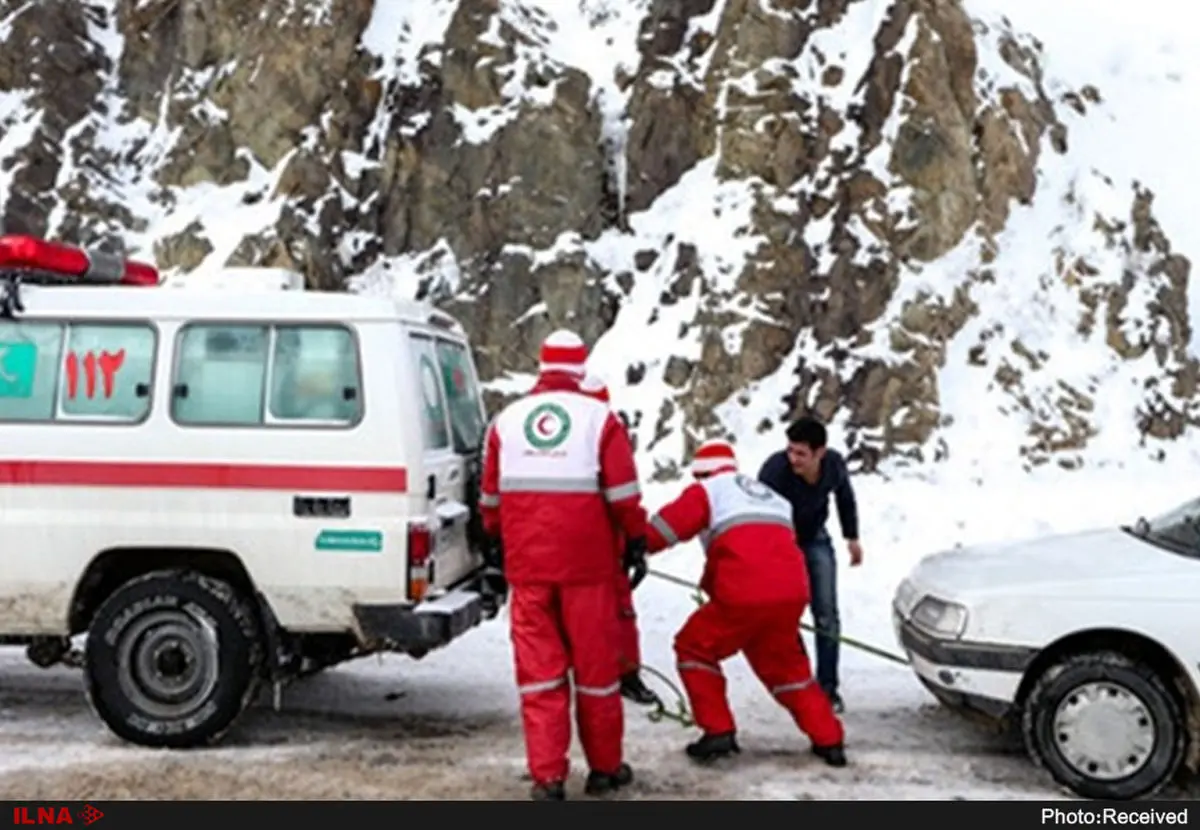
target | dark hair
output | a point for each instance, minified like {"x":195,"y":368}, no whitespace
{"x":808,"y":430}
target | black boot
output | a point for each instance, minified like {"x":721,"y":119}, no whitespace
{"x":603,"y":783}
{"x":712,"y":747}
{"x":835,"y":755}
{"x":633,"y":689}
{"x":553,"y":791}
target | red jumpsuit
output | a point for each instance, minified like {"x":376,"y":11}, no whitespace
{"x":559,"y":486}
{"x":757,"y":582}
{"x":628,"y":640}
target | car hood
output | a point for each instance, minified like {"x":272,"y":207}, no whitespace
{"x":1091,"y":556}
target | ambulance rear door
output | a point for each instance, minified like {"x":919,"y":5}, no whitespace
{"x":452,"y":426}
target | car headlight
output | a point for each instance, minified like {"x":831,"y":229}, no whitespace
{"x":939,"y":617}
{"x":906,"y":597}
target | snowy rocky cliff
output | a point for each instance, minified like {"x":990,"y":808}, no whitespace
{"x":865,"y":208}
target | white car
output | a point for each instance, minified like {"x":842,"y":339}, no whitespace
{"x":1089,"y":641}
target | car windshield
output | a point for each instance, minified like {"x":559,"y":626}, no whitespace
{"x":1176,"y":530}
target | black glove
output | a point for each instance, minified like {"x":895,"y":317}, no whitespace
{"x":493,"y":585}
{"x":493,"y":554}
{"x":634,"y":561}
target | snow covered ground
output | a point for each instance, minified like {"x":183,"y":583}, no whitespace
{"x":447,"y":726}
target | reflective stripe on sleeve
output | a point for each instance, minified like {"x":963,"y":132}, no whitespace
{"x":489,"y":500}
{"x":667,"y":532}
{"x":549,"y":485}
{"x":623,"y":491}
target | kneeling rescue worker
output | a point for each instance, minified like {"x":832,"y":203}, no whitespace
{"x":632,"y":686}
{"x":757,"y":583}
{"x":559,"y":486}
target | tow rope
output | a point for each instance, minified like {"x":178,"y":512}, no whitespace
{"x":680,"y":713}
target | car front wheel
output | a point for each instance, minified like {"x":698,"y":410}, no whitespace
{"x":172,"y":658}
{"x":1105,"y":726}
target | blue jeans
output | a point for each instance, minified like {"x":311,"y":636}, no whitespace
{"x":822,"y":577}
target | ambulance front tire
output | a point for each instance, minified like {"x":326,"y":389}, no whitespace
{"x":172,"y":658}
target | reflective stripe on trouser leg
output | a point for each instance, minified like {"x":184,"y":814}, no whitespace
{"x":810,"y":708}
{"x":704,"y":684}
{"x":599,"y":714}
{"x":708,"y":636}
{"x":784,"y":688}
{"x":541,"y":686}
{"x":589,"y":616}
{"x":780,"y":663}
{"x":546,"y":720}
{"x":542,"y":666}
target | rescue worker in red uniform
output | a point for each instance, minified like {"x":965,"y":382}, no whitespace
{"x":559,"y":485}
{"x":757,"y":584}
{"x":632,"y":686}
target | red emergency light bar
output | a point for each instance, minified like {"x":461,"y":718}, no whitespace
{"x":28,"y":253}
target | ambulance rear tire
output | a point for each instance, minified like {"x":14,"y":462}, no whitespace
{"x":172,"y":658}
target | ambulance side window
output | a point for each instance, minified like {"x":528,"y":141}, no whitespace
{"x":107,"y":372}
{"x":229,"y":374}
{"x":30,"y":359}
{"x":220,"y":375}
{"x":314,"y":375}
{"x":76,"y":371}
{"x":434,"y":424}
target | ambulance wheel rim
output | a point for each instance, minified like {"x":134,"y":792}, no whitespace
{"x":167,"y":662}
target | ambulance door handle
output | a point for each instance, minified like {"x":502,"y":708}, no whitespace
{"x":431,"y":487}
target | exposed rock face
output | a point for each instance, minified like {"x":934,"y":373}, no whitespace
{"x":488,"y":168}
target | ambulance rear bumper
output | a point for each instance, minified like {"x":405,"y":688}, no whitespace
{"x":424,"y":626}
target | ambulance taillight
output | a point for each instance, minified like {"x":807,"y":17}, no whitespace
{"x":420,"y":551}
{"x":38,"y":256}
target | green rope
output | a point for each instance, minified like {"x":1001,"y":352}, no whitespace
{"x":850,"y":641}
{"x":681,"y":714}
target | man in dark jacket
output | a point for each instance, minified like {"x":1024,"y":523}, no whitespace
{"x":806,"y":474}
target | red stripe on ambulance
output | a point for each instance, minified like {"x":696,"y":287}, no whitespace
{"x":203,"y":476}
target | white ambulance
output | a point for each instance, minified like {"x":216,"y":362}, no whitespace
{"x":222,"y":488}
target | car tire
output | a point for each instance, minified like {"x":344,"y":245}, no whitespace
{"x":1099,"y":680}
{"x":172,"y":658}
